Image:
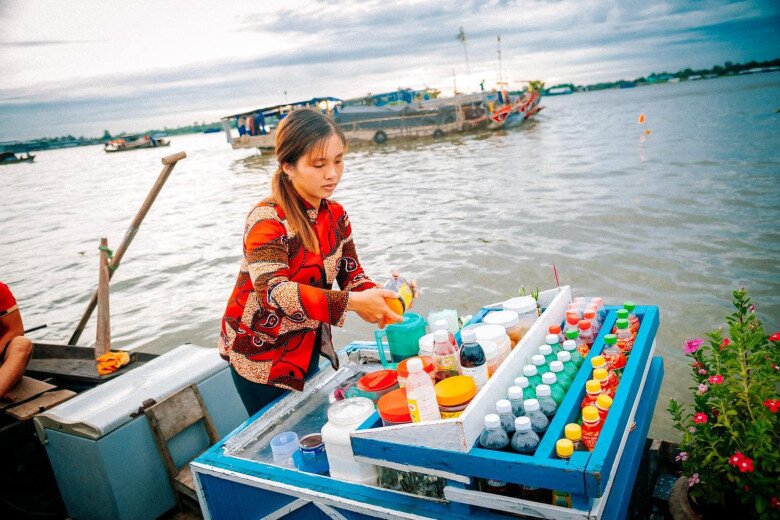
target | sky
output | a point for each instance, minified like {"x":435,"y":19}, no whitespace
{"x":82,"y":67}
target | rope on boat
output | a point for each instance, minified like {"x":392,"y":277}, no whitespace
{"x":110,"y":252}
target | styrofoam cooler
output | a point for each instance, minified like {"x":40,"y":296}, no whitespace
{"x":101,"y":449}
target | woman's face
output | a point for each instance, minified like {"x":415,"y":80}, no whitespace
{"x":316,"y":175}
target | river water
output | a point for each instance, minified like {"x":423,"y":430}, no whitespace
{"x":677,"y":218}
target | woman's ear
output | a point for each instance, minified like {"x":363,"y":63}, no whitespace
{"x":288,"y":168}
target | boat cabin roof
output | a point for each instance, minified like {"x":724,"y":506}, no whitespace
{"x":283,"y":108}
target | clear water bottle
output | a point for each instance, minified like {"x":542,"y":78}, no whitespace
{"x":528,"y":392}
{"x":420,"y":394}
{"x":569,"y":366}
{"x":493,"y":437}
{"x":563,"y":379}
{"x":515,"y":398}
{"x":556,"y":390}
{"x":546,"y":403}
{"x":504,"y":409}
{"x":554,"y":341}
{"x":570,"y":346}
{"x":525,"y":440}
{"x":539,"y":421}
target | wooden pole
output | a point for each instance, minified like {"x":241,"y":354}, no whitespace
{"x":169,"y":163}
{"x":103,"y":337}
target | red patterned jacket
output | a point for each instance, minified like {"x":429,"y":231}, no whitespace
{"x":283,"y":293}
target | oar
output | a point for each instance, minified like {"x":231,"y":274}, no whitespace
{"x":169,"y":163}
{"x":33,"y":329}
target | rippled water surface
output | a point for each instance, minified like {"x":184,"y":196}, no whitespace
{"x":677,"y":218}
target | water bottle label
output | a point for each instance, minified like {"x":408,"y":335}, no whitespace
{"x":424,"y":408}
{"x":479,"y":374}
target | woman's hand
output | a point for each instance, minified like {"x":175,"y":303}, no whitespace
{"x":370,"y":305}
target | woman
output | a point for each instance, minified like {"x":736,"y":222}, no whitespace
{"x":297,"y":243}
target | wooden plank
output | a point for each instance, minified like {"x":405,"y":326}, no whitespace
{"x":516,"y":506}
{"x":26,"y":389}
{"x":176,"y":412}
{"x":103,"y":332}
{"x":40,"y":404}
{"x":50,"y":350}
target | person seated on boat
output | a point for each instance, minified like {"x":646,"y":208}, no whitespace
{"x":241,"y":127}
{"x":15,"y":348}
{"x":296,"y":243}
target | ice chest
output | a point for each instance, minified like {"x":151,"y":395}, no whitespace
{"x":233,"y":483}
{"x":102,"y":451}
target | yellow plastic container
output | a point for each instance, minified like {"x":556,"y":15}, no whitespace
{"x":454,"y":394}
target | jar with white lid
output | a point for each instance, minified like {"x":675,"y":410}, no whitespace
{"x":525,"y":307}
{"x":344,"y":417}
{"x":510,"y":320}
{"x":426,"y":345}
{"x":496,"y":333}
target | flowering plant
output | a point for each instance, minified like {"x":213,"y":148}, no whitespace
{"x":731,"y":440}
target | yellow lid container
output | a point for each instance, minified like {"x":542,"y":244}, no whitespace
{"x":455,"y":390}
{"x":598,"y":362}
{"x":590,"y":414}
{"x":604,"y":401}
{"x":600,"y":374}
{"x":564,"y":448}
{"x":573,"y":432}
{"x":592,"y":386}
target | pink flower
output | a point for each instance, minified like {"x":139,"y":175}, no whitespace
{"x":752,"y":308}
{"x":772,"y":404}
{"x":693,"y":480}
{"x":683,"y":455}
{"x":700,"y":418}
{"x":716,"y":379}
{"x":692,"y":429}
{"x":702,"y":372}
{"x":693,"y":345}
{"x":703,"y":388}
{"x":775,"y":337}
{"x":736,"y":459}
{"x":725,"y":343}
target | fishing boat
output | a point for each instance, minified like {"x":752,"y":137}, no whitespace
{"x":12,"y":158}
{"x":513,"y":113}
{"x":125,"y":144}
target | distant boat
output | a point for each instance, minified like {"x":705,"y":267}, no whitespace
{"x":12,"y":158}
{"x":558,"y":91}
{"x":135,"y":143}
{"x":212,"y":130}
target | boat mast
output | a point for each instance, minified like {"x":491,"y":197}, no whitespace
{"x":500,"y":72}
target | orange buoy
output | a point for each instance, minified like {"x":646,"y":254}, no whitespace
{"x":641,"y":119}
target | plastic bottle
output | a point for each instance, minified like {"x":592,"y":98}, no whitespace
{"x":614,"y":356}
{"x":564,"y":449}
{"x":525,"y":440}
{"x":546,"y":403}
{"x":602,"y":376}
{"x":534,"y":379}
{"x":493,"y":437}
{"x":591,"y":426}
{"x":562,"y":378}
{"x":574,"y":335}
{"x":612,"y":378}
{"x":528,"y":391}
{"x":515,"y":398}
{"x":497,"y":487}
{"x":540,"y":363}
{"x":443,"y":324}
{"x":492,"y":356}
{"x":570,"y":346}
{"x":569,"y":368}
{"x":420,"y":394}
{"x":586,"y":337}
{"x":504,"y":409}
{"x":633,"y":320}
{"x":603,"y":403}
{"x":556,"y":329}
{"x":572,"y":319}
{"x":403,"y":288}
{"x":622,"y":314}
{"x":539,"y":421}
{"x":592,"y":392}
{"x":590,"y":315}
{"x":554,"y":341}
{"x":625,"y":340}
{"x":472,"y":359}
{"x":573,"y":432}
{"x":546,"y":351}
{"x":444,"y":355}
{"x":599,"y":303}
{"x":556,"y":390}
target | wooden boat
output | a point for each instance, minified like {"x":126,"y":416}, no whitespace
{"x":514,"y":113}
{"x":135,"y":143}
{"x":12,"y":158}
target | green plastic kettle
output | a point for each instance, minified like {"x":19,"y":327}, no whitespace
{"x":403,"y":339}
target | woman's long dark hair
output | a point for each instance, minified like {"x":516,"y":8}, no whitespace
{"x":299,"y":134}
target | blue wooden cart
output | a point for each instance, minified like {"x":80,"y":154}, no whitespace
{"x":237,"y":478}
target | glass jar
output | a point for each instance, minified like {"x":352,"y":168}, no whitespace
{"x":454,"y":394}
{"x":510,"y":320}
{"x":393,"y":408}
{"x":497,"y":334}
{"x":403,"y":371}
{"x":527,"y":313}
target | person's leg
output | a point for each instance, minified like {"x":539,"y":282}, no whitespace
{"x":15,"y":359}
{"x":254,"y":395}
